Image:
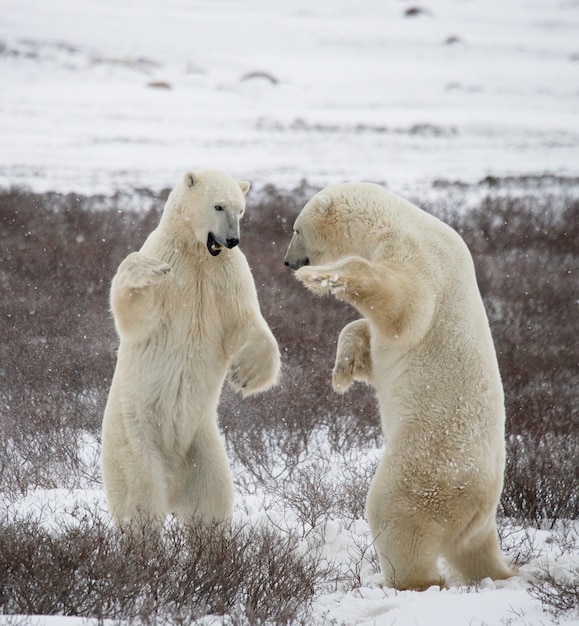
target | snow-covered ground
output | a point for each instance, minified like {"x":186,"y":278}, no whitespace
{"x":98,"y":95}
{"x":345,"y":545}
{"x":101,"y":95}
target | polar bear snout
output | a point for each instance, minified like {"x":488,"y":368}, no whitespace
{"x":295,"y":264}
{"x":215,"y":244}
{"x":297,"y":254}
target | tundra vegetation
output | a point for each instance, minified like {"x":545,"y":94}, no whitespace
{"x":58,"y":254}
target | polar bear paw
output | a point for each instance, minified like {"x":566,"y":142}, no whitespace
{"x":247,"y":377}
{"x":138,"y":271}
{"x":353,"y":359}
{"x":254,"y":368}
{"x":322,"y":282}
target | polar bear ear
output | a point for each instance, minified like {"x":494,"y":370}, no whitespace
{"x":190,"y":179}
{"x":244,"y":186}
{"x":324,"y":204}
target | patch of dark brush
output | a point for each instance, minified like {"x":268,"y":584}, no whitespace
{"x":89,"y":570}
{"x":59,"y":252}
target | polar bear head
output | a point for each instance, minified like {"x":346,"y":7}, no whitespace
{"x":341,"y":220}
{"x":208,"y":204}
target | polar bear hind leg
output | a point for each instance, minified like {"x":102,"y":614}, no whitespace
{"x":479,"y":557}
{"x":408,"y":545}
{"x":205,"y":491}
{"x":135,"y":490}
{"x":407,"y":552}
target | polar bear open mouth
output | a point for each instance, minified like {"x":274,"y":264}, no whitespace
{"x":213,"y":246}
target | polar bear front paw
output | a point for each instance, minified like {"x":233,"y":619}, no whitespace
{"x":353,"y":358}
{"x":322,"y":282}
{"x":254,"y":368}
{"x":348,"y":369}
{"x":138,"y":271}
{"x":342,"y":375}
{"x":247,"y":378}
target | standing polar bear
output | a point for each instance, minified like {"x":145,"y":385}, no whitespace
{"x":425,"y":346}
{"x":187,"y":314}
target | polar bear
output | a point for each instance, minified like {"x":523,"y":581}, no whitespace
{"x":187,"y":315}
{"x":425,"y":346}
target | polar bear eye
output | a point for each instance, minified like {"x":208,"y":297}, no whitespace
{"x":218,"y":207}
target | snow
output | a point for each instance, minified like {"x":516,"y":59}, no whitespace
{"x":285,"y":91}
{"x":98,"y":96}
{"x":434,"y":607}
{"x":346,"y":546}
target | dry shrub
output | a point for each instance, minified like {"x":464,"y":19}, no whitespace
{"x":89,"y":570}
{"x":541,"y":479}
{"x":558,"y":594}
{"x":315,"y":493}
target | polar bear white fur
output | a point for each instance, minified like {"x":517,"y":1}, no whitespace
{"x":187,"y":314}
{"x":425,"y":346}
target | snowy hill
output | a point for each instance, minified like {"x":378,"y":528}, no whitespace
{"x":97,"y":95}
